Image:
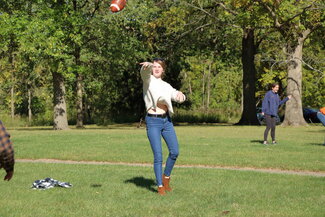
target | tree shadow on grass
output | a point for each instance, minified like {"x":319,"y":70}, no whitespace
{"x":31,"y":128}
{"x":143,"y":183}
{"x":185,"y":124}
{"x":319,"y":144}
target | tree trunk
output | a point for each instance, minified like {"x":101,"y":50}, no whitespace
{"x":293,"y":111}
{"x":12,"y":93}
{"x":249,"y":79}
{"x":186,"y":78}
{"x":12,"y":89}
{"x":203,"y":90}
{"x":80,"y":115}
{"x":29,"y":106}
{"x":208,"y":86}
{"x":79,"y":102}
{"x":86,"y":112}
{"x":60,"y":108}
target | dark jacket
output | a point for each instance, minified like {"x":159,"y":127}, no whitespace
{"x":271,"y":103}
{"x":7,"y":160}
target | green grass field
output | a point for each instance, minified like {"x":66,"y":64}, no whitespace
{"x":297,"y":149}
{"x":112,"y":190}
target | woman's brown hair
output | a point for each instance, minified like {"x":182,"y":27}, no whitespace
{"x":274,"y":84}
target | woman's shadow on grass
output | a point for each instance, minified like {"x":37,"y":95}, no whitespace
{"x":257,"y":141}
{"x":143,"y":183}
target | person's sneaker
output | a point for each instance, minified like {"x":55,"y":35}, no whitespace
{"x":166,"y":180}
{"x":161,"y":190}
{"x":274,"y":142}
{"x":265,"y":143}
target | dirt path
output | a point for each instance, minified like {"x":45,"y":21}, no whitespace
{"x":263,"y":170}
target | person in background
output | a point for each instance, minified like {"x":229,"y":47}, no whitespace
{"x":7,"y":160}
{"x":321,"y":117}
{"x":158,"y":95}
{"x":270,"y":108}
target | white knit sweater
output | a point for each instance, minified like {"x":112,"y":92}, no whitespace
{"x":155,"y":90}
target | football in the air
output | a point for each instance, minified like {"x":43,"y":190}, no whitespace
{"x":117,"y":5}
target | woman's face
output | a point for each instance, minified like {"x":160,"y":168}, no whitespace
{"x":275,"y":88}
{"x":157,"y":70}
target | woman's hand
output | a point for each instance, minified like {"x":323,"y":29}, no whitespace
{"x":9,"y":175}
{"x":180,"y":96}
{"x":146,"y":65}
{"x":289,"y":96}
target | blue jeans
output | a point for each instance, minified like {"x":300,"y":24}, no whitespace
{"x":157,"y":127}
{"x":321,"y":117}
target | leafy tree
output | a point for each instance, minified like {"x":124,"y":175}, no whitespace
{"x":313,"y":66}
{"x":295,"y":20}
{"x":220,"y":53}
{"x":45,"y":40}
{"x":192,"y":40}
{"x":8,"y":51}
{"x":235,"y":19}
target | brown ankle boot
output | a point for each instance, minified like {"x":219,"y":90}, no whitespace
{"x":161,"y":190}
{"x":166,"y":183}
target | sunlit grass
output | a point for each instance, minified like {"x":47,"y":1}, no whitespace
{"x":297,"y":149}
{"x":102,"y":190}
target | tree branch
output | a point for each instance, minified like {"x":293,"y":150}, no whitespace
{"x":97,"y":3}
{"x":191,"y":30}
{"x":272,"y":13}
{"x":201,"y":9}
{"x":312,"y":68}
{"x":227,"y":9}
{"x":258,"y":42}
{"x":84,"y":4}
{"x":214,"y":17}
{"x":306,"y":33}
{"x":279,"y":62}
{"x":214,"y":6}
{"x":297,"y":15}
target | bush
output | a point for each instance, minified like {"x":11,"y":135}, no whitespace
{"x":17,"y":121}
{"x":45,"y":119}
{"x":211,"y":116}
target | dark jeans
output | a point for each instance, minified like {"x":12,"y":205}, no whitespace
{"x":157,"y":127}
{"x":270,"y":124}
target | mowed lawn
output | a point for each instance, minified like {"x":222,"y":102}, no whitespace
{"x":298,"y":148}
{"x":116,"y":190}
{"x":104,"y":190}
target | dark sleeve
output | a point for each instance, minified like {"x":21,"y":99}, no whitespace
{"x":265,"y":102}
{"x":283,"y":101}
{"x":6,"y":150}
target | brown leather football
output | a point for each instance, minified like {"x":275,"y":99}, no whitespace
{"x":117,"y":5}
